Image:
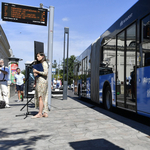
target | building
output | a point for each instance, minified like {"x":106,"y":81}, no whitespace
{"x":5,"y":51}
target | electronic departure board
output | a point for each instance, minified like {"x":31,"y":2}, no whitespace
{"x":24,"y":14}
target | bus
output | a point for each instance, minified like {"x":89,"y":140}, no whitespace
{"x":115,"y":69}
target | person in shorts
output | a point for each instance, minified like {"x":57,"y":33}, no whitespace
{"x":19,"y":79}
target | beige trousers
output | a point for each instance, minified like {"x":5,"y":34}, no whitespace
{"x":4,"y":92}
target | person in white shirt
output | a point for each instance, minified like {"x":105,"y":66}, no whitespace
{"x":54,"y":83}
{"x":58,"y":83}
{"x":19,"y":79}
{"x":4,"y":73}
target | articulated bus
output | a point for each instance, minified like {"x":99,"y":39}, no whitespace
{"x":115,"y":69}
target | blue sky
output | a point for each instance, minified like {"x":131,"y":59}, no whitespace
{"x":86,"y":19}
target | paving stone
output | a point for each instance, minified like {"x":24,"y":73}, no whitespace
{"x":71,"y":124}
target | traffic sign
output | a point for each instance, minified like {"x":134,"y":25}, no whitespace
{"x":24,"y":14}
{"x":53,"y":70}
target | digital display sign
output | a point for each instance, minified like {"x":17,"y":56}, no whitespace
{"x":24,"y":14}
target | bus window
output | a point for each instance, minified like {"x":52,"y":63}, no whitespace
{"x":108,"y":58}
{"x":130,"y":63}
{"x":145,"y":54}
{"x":120,"y":65}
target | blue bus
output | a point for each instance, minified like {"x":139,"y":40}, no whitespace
{"x":115,"y":69}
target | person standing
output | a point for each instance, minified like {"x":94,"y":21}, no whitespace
{"x":19,"y":79}
{"x":4,"y":73}
{"x":54,"y":83}
{"x":41,"y":87}
{"x":58,"y":85}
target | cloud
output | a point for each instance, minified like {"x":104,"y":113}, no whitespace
{"x":65,"y":19}
{"x":28,"y":62}
{"x":22,"y":37}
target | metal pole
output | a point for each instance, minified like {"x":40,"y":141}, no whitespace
{"x":64,"y":62}
{"x":67,"y":54}
{"x":65,"y":83}
{"x":50,"y":51}
{"x":58,"y":71}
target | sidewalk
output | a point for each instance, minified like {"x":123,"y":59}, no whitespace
{"x":72,"y":125}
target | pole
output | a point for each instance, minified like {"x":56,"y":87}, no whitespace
{"x":50,"y":51}
{"x":64,"y":62}
{"x":58,"y":71}
{"x":65,"y":83}
{"x":67,"y":53}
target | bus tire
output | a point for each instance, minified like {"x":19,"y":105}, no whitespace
{"x":108,"y":98}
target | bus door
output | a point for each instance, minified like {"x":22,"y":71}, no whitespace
{"x":126,"y":75}
{"x":143,"y":72}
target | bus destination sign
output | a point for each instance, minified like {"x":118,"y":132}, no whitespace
{"x":24,"y":14}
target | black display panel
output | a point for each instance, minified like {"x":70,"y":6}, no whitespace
{"x":24,"y":14}
{"x":38,"y":48}
{"x":30,"y":81}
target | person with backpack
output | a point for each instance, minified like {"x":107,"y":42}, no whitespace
{"x":4,"y":74}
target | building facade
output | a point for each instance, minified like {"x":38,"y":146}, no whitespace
{"x":4,"y":47}
{"x":5,"y":53}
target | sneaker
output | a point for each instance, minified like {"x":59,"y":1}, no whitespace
{"x":7,"y":106}
{"x":19,"y":101}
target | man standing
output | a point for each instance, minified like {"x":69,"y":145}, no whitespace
{"x":19,"y":79}
{"x":58,"y":83}
{"x":4,"y":73}
{"x":54,"y":83}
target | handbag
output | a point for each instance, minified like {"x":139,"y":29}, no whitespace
{"x":2,"y":104}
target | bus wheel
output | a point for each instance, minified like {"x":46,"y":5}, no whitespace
{"x":108,"y":99}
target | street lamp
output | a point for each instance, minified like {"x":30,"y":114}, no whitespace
{"x":65,"y":83}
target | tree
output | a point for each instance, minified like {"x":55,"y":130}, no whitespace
{"x":23,"y":72}
{"x":70,"y":70}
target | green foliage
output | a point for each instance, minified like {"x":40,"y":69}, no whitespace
{"x":23,"y":72}
{"x":70,"y":70}
{"x":54,"y":65}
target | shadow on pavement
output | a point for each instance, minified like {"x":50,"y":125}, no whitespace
{"x":97,"y":144}
{"x":24,"y":143}
{"x":119,"y":115}
{"x":31,"y":105}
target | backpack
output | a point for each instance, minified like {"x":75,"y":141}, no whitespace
{"x":2,"y":104}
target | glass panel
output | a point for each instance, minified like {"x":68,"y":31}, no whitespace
{"x":143,"y":73}
{"x":83,"y":66}
{"x":120,"y":66}
{"x":84,"y":63}
{"x":145,"y":56}
{"x":107,"y":65}
{"x":130,"y":63}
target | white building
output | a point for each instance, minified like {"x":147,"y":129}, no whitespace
{"x":5,"y":53}
{"x":4,"y":47}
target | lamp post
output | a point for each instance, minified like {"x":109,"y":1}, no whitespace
{"x":50,"y":51}
{"x":65,"y":83}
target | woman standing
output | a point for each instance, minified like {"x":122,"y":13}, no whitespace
{"x":41,"y":87}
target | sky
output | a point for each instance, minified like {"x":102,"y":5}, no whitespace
{"x":86,"y":20}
